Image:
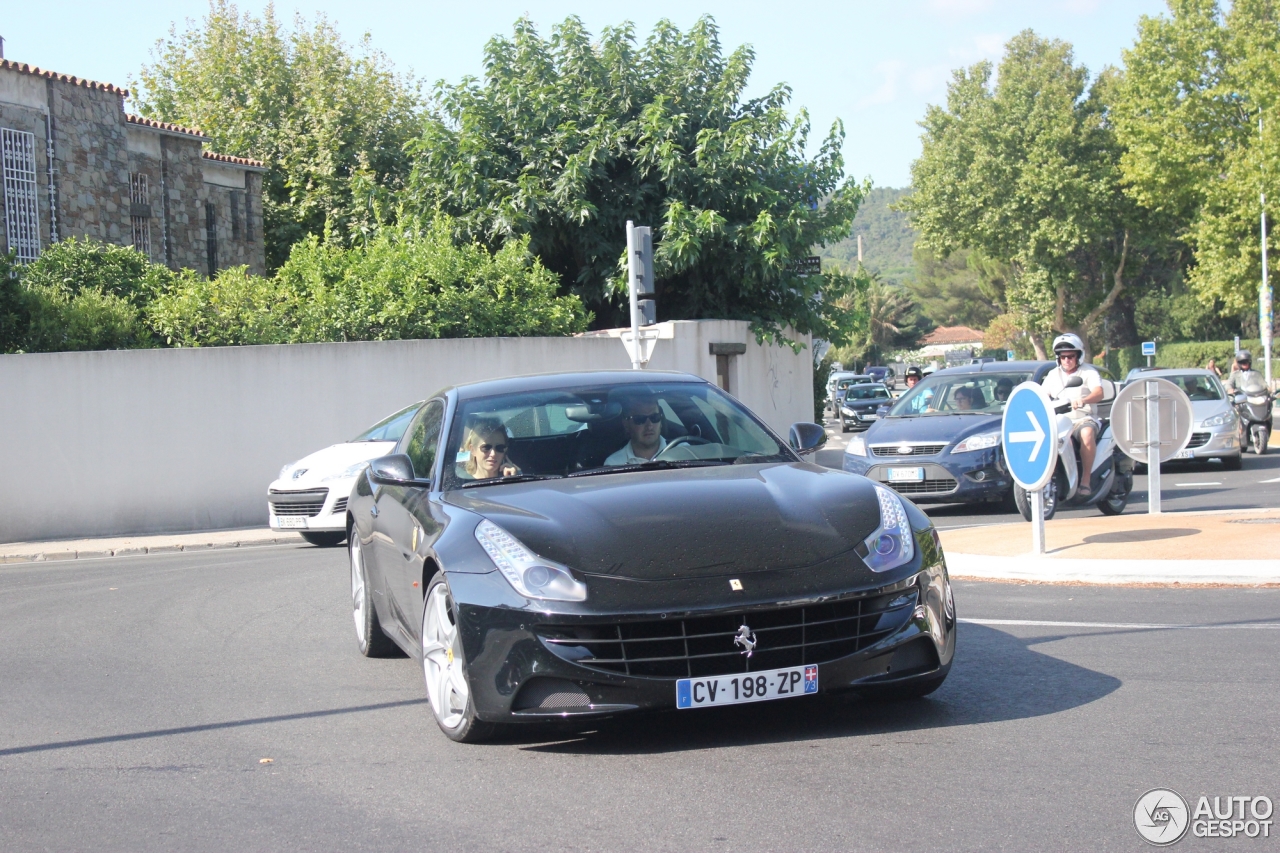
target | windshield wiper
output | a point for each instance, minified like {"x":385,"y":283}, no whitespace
{"x":651,"y":465}
{"x":517,"y":478}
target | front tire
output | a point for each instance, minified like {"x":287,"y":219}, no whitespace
{"x":1261,"y":437}
{"x":373,"y":642}
{"x":1233,"y":463}
{"x":1022,"y":499}
{"x":444,"y":669}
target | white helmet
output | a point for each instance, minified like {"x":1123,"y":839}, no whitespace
{"x":1066,"y":342}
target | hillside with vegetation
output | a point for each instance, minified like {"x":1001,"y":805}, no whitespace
{"x":887,"y":237}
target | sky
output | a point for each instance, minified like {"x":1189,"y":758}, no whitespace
{"x":874,"y":65}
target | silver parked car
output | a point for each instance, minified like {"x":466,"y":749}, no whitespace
{"x":1214,"y":430}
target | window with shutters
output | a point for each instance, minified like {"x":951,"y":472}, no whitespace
{"x":21,"y":194}
{"x":140,"y":213}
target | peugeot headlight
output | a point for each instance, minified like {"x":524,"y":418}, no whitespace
{"x":349,"y":471}
{"x":857,"y":446}
{"x":529,"y":574}
{"x":981,"y":441}
{"x":1226,"y":417}
{"x":891,"y":544}
{"x":284,"y":472}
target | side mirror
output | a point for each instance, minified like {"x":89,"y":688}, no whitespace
{"x":1237,"y":398}
{"x":1074,"y":382}
{"x":805,"y":438}
{"x":393,"y":470}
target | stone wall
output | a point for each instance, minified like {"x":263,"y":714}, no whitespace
{"x":91,"y":151}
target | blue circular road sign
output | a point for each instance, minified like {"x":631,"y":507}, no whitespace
{"x":1029,"y":435}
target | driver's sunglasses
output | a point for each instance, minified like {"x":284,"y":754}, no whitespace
{"x":486,"y":449}
{"x":1074,"y":356}
{"x":655,"y":418}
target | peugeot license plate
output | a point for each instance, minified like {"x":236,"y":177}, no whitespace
{"x":291,"y":522}
{"x":1185,"y":454}
{"x":906,"y":475}
{"x":747,"y":687}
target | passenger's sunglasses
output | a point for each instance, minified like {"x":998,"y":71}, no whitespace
{"x":486,"y":449}
{"x":655,"y":418}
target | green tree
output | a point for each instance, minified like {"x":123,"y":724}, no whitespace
{"x":329,"y":121}
{"x":1186,"y":112}
{"x":1025,"y":170}
{"x":887,"y":237}
{"x":566,"y":139}
{"x":960,"y":289}
{"x":887,"y":319}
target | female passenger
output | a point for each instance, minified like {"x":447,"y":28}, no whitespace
{"x":484,"y":451}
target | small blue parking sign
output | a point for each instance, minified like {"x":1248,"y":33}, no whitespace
{"x":1148,"y":347}
{"x":1029,"y":436}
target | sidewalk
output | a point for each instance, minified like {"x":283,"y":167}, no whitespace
{"x":130,"y":546}
{"x":1221,"y":548}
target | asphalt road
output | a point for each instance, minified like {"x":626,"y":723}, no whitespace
{"x":216,"y":701}
{"x":1184,"y":486}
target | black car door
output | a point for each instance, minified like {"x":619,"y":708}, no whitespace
{"x":403,"y":524}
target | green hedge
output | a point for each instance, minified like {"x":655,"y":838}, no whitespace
{"x":1188,"y":354}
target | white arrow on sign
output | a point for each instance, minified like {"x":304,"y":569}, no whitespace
{"x":1036,"y":434}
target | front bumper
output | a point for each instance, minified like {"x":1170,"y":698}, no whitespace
{"x":973,"y":477}
{"x":323,"y":506}
{"x":530,"y":666}
{"x":1212,"y":443}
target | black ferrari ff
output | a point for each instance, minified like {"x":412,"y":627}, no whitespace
{"x":588,"y":544}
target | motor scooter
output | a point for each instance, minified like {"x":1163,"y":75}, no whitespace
{"x":1111,"y":478}
{"x":1253,"y":405}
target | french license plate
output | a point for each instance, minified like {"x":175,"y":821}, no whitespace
{"x":291,"y":522}
{"x":747,"y":687}
{"x":870,"y":417}
{"x":906,"y":475}
{"x":1185,"y":454}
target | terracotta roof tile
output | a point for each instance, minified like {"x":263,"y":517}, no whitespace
{"x":24,"y":68}
{"x":238,"y":161}
{"x":162,"y":125}
{"x":952,"y":335}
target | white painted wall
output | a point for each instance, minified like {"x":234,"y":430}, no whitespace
{"x":138,"y":441}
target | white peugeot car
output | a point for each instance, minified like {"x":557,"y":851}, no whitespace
{"x":310,"y":495}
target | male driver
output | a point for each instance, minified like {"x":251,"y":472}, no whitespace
{"x":1069,"y":350}
{"x":1242,"y":373}
{"x":643,"y":422}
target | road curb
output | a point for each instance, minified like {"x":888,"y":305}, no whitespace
{"x":62,"y":555}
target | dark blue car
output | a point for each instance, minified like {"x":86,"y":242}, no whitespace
{"x":940,"y":442}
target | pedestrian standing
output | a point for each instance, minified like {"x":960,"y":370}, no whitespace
{"x":1212,"y":367}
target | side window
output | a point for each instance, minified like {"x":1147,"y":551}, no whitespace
{"x":424,"y":436}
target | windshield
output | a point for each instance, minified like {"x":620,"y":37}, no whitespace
{"x":389,"y":428}
{"x":577,"y":431}
{"x":867,"y":392}
{"x":1198,"y":388}
{"x":942,"y":394}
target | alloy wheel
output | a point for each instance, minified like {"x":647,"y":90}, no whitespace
{"x":359,"y":600}
{"x":442,"y":660}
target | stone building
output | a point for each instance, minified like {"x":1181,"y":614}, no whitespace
{"x":75,"y":164}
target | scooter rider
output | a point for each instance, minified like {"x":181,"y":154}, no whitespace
{"x":913,"y":377}
{"x":1242,"y":373}
{"x":1069,"y":351}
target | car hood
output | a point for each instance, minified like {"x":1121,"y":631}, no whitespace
{"x":933,"y":428}
{"x":333,"y":459}
{"x":685,"y":523}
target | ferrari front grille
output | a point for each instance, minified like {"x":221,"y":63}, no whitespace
{"x":705,"y":645}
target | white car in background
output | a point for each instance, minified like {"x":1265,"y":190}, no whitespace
{"x":310,"y":495}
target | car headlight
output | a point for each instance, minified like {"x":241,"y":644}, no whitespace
{"x":284,"y":472}
{"x":1218,"y":420}
{"x":857,"y":446}
{"x":981,"y":441}
{"x":891,"y":544}
{"x":349,"y":471}
{"x":529,"y":574}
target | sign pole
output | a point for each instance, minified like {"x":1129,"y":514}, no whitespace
{"x":1037,"y":522}
{"x":631,"y":286}
{"x":1153,"y":448}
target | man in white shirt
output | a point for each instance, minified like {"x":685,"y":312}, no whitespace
{"x":643,"y":423}
{"x":1069,"y":350}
